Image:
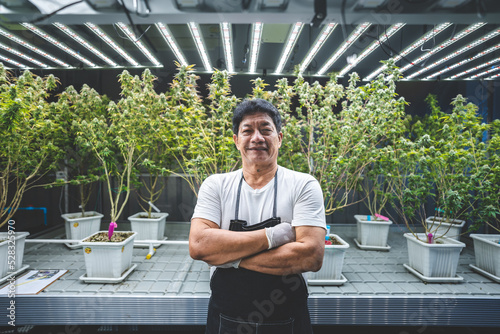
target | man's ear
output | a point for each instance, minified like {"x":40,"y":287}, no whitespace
{"x":235,"y":139}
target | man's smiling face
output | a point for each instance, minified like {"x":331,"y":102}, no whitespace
{"x":258,"y":140}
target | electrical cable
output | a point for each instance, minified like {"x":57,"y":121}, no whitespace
{"x":433,"y":41}
{"x":46,"y":16}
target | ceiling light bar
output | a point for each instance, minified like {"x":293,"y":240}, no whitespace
{"x":430,"y":34}
{"x":55,"y":42}
{"x":491,"y":70}
{"x":473,"y":69}
{"x":293,"y":36}
{"x":200,"y":45}
{"x":340,"y":51}
{"x":167,"y":35}
{"x":444,"y":45}
{"x":227,"y":39}
{"x":130,"y":34}
{"x":68,"y":31}
{"x":102,"y":35}
{"x":318,"y":43}
{"x":12,"y":61}
{"x":33,"y":48}
{"x":465,"y":61}
{"x":468,"y":47}
{"x":493,"y":77}
{"x":22,"y":55}
{"x":255,"y":46}
{"x":382,"y":39}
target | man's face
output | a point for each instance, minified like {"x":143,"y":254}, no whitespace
{"x":258,"y":140}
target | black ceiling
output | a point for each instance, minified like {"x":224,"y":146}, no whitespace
{"x":419,"y":16}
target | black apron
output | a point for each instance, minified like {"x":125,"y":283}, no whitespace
{"x":248,"y":302}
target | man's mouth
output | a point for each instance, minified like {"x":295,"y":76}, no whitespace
{"x":257,"y":148}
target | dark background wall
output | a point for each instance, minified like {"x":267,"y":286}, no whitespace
{"x":178,"y":200}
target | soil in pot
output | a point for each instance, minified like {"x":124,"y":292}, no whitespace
{"x":103,"y":237}
{"x":332,"y":241}
{"x":82,"y":216}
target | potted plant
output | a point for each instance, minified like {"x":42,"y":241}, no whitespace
{"x":28,"y":151}
{"x":81,"y":166}
{"x":116,"y":142}
{"x":386,"y":115}
{"x":423,"y":162}
{"x":155,"y":160}
{"x":455,"y":155}
{"x":487,"y":212}
{"x":333,"y":262}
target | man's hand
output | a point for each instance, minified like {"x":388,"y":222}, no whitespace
{"x":280,"y":234}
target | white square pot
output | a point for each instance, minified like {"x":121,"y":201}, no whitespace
{"x":149,"y":228}
{"x":78,"y":227}
{"x":434,"y":260}
{"x":18,"y":241}
{"x":438,"y":227}
{"x":107,"y":259}
{"x":372,"y":233}
{"x":333,"y":261}
{"x":487,"y":252}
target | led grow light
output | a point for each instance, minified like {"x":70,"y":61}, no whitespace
{"x":227,"y":39}
{"x":200,"y":45}
{"x":102,"y":35}
{"x":318,"y":43}
{"x":68,"y":31}
{"x":431,"y":34}
{"x":255,"y":46}
{"x":444,"y":45}
{"x":482,"y":74}
{"x":340,"y":51}
{"x":468,"y":47}
{"x":465,"y":61}
{"x":33,"y":48}
{"x":493,"y":77}
{"x":293,"y":36}
{"x":22,"y":55}
{"x":473,"y":69}
{"x":55,"y":42}
{"x":374,"y":45}
{"x":12,"y":61}
{"x":167,"y":35}
{"x":130,"y":34}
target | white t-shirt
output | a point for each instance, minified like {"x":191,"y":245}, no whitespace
{"x":299,"y":200}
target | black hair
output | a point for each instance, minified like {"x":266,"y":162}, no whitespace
{"x":253,"y":106}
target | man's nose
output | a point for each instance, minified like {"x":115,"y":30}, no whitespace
{"x":257,"y":137}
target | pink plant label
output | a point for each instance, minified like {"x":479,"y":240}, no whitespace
{"x":430,"y":238}
{"x":112,"y":227}
{"x":381,"y":217}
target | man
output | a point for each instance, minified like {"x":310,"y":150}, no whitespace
{"x":260,"y":228}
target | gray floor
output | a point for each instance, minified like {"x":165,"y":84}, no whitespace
{"x":171,"y":289}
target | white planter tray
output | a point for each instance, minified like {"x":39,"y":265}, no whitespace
{"x":15,"y":273}
{"x":340,"y":281}
{"x":364,"y":247}
{"x":86,"y":279}
{"x":485,"y":273}
{"x":427,"y":279}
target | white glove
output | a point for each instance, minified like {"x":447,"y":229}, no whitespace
{"x":280,"y":234}
{"x":234,"y":264}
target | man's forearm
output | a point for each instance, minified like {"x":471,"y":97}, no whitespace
{"x":291,"y":258}
{"x":216,"y":246}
